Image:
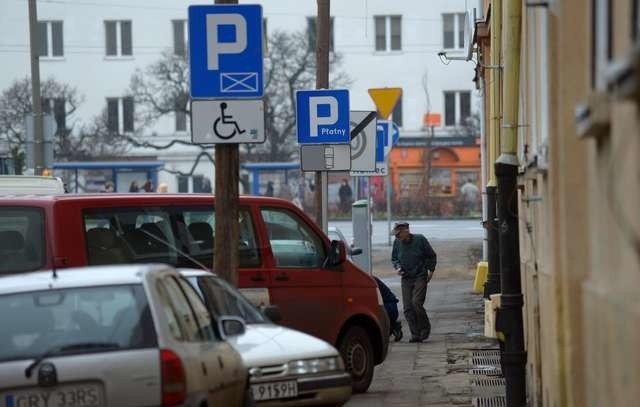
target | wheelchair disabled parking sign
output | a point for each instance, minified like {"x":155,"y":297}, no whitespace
{"x":227,"y":121}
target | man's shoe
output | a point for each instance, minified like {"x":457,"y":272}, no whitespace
{"x":424,"y":335}
{"x":397,"y":335}
{"x":415,"y":339}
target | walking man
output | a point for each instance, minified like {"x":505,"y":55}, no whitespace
{"x":415,"y":260}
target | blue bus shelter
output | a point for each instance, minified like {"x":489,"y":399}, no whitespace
{"x":115,"y":169}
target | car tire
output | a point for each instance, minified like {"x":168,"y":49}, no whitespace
{"x":248,"y":400}
{"x":357,"y":353}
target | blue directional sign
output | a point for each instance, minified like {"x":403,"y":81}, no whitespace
{"x":387,"y":136}
{"x":322,"y":116}
{"x":395,"y":133}
{"x":225,"y":51}
{"x":382,"y":139}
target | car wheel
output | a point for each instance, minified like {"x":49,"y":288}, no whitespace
{"x":248,"y":400}
{"x":357,"y":353}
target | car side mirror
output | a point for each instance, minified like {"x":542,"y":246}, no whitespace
{"x":337,"y":253}
{"x":272,"y":312}
{"x":231,"y":326}
{"x":356,"y":251}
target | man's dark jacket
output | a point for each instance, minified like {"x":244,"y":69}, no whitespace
{"x":415,"y":257}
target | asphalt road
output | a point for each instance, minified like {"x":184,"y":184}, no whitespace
{"x":446,"y":229}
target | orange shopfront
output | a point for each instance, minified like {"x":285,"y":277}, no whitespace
{"x":427,"y":175}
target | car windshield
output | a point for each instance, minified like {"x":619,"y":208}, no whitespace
{"x":34,"y":322}
{"x":21,"y":239}
{"x":222,"y":299}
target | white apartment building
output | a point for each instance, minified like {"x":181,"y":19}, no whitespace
{"x":96,"y":45}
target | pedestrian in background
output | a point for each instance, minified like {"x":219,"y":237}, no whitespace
{"x":346,"y":195}
{"x":470,"y":193}
{"x":163,"y":188}
{"x":391,"y":306}
{"x":269,"y":191}
{"x":108,"y":187}
{"x":148,"y":186}
{"x":133,"y":187}
{"x":415,"y":261}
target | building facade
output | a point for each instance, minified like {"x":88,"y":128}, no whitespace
{"x":578,"y":191}
{"x":96,"y":47}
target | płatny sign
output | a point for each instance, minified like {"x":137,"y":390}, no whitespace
{"x":322,"y":116}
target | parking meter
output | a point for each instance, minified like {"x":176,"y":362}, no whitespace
{"x":361,"y":218}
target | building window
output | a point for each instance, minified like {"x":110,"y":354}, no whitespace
{"x":118,"y":38}
{"x":388,"y":30}
{"x":601,"y":41}
{"x":453,"y":30}
{"x":396,"y":116}
{"x":457,"y":107}
{"x":183,"y":183}
{"x":179,"y":37}
{"x":57,"y":107}
{"x":50,"y":39}
{"x":440,"y":181}
{"x":181,"y":120}
{"x":311,"y":33}
{"x":120,"y":108}
{"x":635,"y":20}
{"x":264,"y":34}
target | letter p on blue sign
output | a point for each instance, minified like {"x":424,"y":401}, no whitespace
{"x":322,"y":116}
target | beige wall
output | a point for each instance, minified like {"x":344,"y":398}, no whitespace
{"x":581,"y":255}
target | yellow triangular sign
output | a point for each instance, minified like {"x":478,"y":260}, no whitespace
{"x":385,"y":99}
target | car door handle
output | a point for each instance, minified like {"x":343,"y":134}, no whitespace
{"x":282,"y":277}
{"x":220,"y":362}
{"x":204,"y":369}
{"x":257,"y":277}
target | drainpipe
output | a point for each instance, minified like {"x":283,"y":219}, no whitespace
{"x":492,"y":286}
{"x":509,"y":316}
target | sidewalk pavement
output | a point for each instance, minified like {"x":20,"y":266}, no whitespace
{"x":436,"y":372}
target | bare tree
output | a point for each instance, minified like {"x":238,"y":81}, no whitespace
{"x":160,"y":89}
{"x":290,"y":66}
{"x":58,"y":98}
{"x":163,"y":89}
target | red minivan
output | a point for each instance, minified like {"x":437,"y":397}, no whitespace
{"x":285,"y":259}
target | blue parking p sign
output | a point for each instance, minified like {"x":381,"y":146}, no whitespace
{"x":225,"y":51}
{"x":322,"y":116}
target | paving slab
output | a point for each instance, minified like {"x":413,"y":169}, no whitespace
{"x":434,"y":373}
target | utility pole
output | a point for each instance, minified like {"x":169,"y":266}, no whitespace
{"x":36,"y":104}
{"x":227,"y":233}
{"x":322,"y":82}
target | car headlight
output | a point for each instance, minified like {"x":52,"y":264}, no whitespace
{"x":310,"y":366}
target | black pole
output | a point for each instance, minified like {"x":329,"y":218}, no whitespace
{"x":492,"y":286}
{"x":509,"y":315}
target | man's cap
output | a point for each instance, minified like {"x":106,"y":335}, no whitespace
{"x":398,"y":226}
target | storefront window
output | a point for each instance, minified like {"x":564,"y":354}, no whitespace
{"x":440,"y":182}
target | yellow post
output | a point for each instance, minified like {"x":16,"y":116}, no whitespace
{"x":509,"y":133}
{"x":495,"y":96}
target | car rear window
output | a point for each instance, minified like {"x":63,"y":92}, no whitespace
{"x":36,"y":322}
{"x":22,"y":245}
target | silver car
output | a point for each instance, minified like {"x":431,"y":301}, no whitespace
{"x":286,"y":367}
{"x":113,"y":336}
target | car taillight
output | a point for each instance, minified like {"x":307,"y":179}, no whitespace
{"x":174,"y":380}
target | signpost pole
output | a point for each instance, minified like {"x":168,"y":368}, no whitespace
{"x":227,"y":177}
{"x":38,"y":139}
{"x":322,"y":82}
{"x":388,"y":191}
